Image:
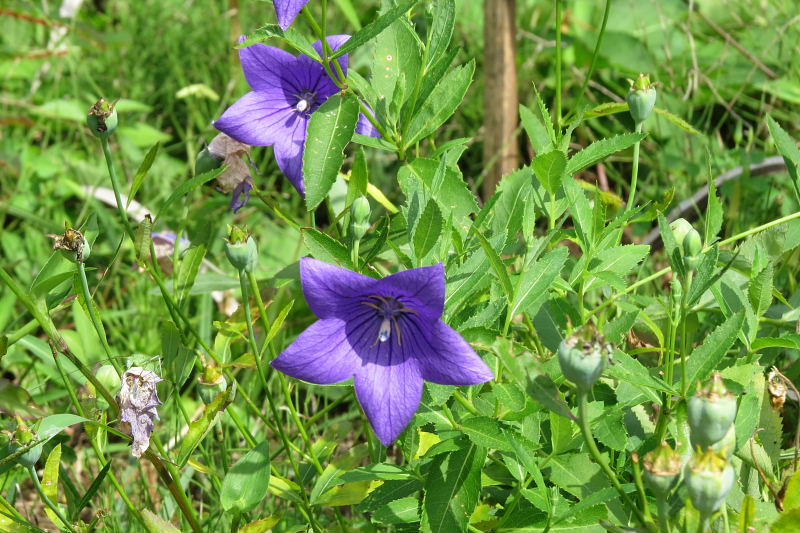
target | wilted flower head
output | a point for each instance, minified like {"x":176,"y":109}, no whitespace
{"x":237,"y":178}
{"x":72,"y":244}
{"x":286,"y":91}
{"x":387,"y":334}
{"x":138,"y":400}
{"x":287,"y":11}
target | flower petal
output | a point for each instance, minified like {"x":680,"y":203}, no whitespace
{"x":444,"y":356}
{"x":321,"y":354}
{"x":331,"y":291}
{"x":289,"y":151}
{"x":335,"y":42}
{"x":421,"y":289}
{"x":389,"y":388}
{"x":267,"y":67}
{"x":259,"y":118}
{"x":287,"y":11}
{"x":365,"y":127}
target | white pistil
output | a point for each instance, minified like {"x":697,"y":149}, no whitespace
{"x":386,"y":330}
{"x":302,"y":105}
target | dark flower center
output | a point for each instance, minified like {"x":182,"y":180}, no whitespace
{"x":390,"y":311}
{"x":305,"y":101}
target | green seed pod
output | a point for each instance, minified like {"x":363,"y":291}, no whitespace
{"x":102,"y":119}
{"x":662,"y":467}
{"x":241,"y":249}
{"x":641,"y":98}
{"x":583,"y":360}
{"x":73,"y":245}
{"x":211,"y":383}
{"x":711,"y":413}
{"x":709,"y":479}
{"x":727,"y":445}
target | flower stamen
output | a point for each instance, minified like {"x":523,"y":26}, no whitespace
{"x":388,"y":310}
{"x":305,"y":101}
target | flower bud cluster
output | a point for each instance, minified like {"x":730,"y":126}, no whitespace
{"x":689,"y":242}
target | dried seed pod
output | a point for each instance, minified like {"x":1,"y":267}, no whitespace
{"x":138,"y":400}
{"x":102,"y":119}
{"x":72,"y":244}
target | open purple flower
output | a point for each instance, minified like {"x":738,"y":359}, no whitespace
{"x":287,"y":11}
{"x":286,"y":90}
{"x":387,"y":334}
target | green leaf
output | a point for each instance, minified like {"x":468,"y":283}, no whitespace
{"x":187,"y":271}
{"x":200,"y":427}
{"x":329,"y":130}
{"x":374,"y":28}
{"x":535,"y":281}
{"x":713,"y":212}
{"x":599,"y":150}
{"x":326,"y":248}
{"x":513,"y":194}
{"x":444,"y":17}
{"x":536,"y":130}
{"x":543,"y":390}
{"x":156,"y":524}
{"x":260,"y":526}
{"x":247,"y":482}
{"x":465,"y":279}
{"x":329,"y":478}
{"x":497,"y":265}
{"x":759,"y":290}
{"x":397,"y":61}
{"x":427,"y":230}
{"x":276,"y":325}
{"x":441,"y":104}
{"x":188,"y":186}
{"x":608,"y":429}
{"x":141,"y":174}
{"x":50,"y":483}
{"x":359,"y":177}
{"x":452,"y":489}
{"x":706,"y":275}
{"x":402,"y":511}
{"x":295,"y":38}
{"x":678,"y":121}
{"x":674,"y":253}
{"x":549,"y":170}
{"x":788,"y":522}
{"x":619,"y":260}
{"x":707,"y":356}
{"x":486,"y":432}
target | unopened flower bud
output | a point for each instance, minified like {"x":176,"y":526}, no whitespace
{"x":241,"y":249}
{"x":688,"y":240}
{"x":583,"y":359}
{"x":662,"y":467}
{"x":359,"y":222}
{"x":709,"y":479}
{"x":73,"y":245}
{"x":641,"y":98}
{"x":102,"y":119}
{"x":211,"y":383}
{"x":711,"y":413}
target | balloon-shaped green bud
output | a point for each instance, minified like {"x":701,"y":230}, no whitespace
{"x":583,"y":357}
{"x":641,"y":98}
{"x":662,"y":467}
{"x":241,"y":249}
{"x":709,"y":478}
{"x":102,"y":119}
{"x":359,"y":221}
{"x":689,"y":241}
{"x":711,"y":413}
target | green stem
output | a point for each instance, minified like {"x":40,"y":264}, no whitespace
{"x":705,"y":522}
{"x":593,"y":63}
{"x":465,"y":403}
{"x":663,"y":514}
{"x":586,"y":430}
{"x":635,"y":169}
{"x":96,"y":323}
{"x":123,"y":212}
{"x":559,"y":52}
{"x":47,"y":501}
{"x":687,"y":283}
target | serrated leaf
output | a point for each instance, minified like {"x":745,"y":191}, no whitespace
{"x":618,"y":260}
{"x":427,"y":229}
{"x":247,"y":481}
{"x":759,"y":291}
{"x":599,"y":150}
{"x":374,"y":28}
{"x":443,"y":101}
{"x":444,"y":16}
{"x":402,"y":511}
{"x":536,"y":130}
{"x":330,"y":129}
{"x":141,"y":173}
{"x":200,"y":427}
{"x":452,"y":489}
{"x":549,"y":169}
{"x":486,"y":432}
{"x":295,"y":38}
{"x":359,"y":177}
{"x":706,"y":357}
{"x":326,"y":248}
{"x":543,"y":390}
{"x":535,"y":281}
{"x":497,"y":265}
{"x":608,"y":429}
{"x":397,"y":61}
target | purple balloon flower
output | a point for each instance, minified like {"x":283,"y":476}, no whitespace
{"x":287,"y":11}
{"x":387,"y":334}
{"x":286,"y":90}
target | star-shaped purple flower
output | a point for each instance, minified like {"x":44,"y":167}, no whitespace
{"x":287,"y":11}
{"x":286,"y":90}
{"x":387,"y":334}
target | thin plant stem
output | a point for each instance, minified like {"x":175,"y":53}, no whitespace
{"x":663,"y":514}
{"x":96,"y":323}
{"x":47,"y":501}
{"x":593,"y":63}
{"x":123,"y":212}
{"x":586,"y":430}
{"x":559,"y":53}
{"x":635,"y":169}
{"x":684,"y":313}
